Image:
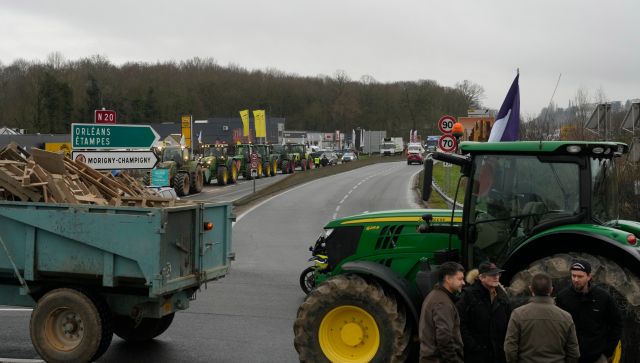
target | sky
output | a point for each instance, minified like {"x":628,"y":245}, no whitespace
{"x":592,"y":44}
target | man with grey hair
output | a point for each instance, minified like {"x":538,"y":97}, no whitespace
{"x":541,"y":332}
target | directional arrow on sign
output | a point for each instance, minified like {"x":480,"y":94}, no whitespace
{"x":98,"y":136}
{"x":115,"y":160}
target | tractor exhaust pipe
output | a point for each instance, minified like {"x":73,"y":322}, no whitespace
{"x":427,"y":178}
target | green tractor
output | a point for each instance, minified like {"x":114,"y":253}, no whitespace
{"x":285,"y":160}
{"x":186,"y":175}
{"x":218,"y":166}
{"x":242,"y":155}
{"x":528,"y":207}
{"x":269,"y":159}
{"x":299,"y":156}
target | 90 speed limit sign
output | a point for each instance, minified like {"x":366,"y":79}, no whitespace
{"x":447,"y":143}
{"x":445,"y":124}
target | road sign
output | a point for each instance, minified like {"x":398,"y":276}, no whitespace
{"x":96,"y":136}
{"x":114,"y":160}
{"x":447,"y":143}
{"x":160,"y":177}
{"x":445,"y":124}
{"x":104,"y":117}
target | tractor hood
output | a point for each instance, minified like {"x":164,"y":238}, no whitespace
{"x":407,"y":215}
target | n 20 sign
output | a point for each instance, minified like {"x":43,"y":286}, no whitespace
{"x":447,"y":143}
{"x":105,"y":117}
{"x":445,"y":124}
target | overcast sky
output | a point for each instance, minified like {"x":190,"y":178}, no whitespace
{"x":594,"y":44}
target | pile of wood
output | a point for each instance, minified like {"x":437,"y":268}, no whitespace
{"x":42,"y":176}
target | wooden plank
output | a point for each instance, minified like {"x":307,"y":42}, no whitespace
{"x":51,"y":162}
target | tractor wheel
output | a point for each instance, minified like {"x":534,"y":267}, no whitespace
{"x":259,"y":171}
{"x":223,"y":175}
{"x":266,"y":169}
{"x":181,"y":184}
{"x":285,"y":167}
{"x":68,"y":326}
{"x":303,"y":164}
{"x":350,"y":319}
{"x":292,"y":166}
{"x":621,"y":283}
{"x":310,"y":161}
{"x":149,"y":328}
{"x":198,"y":181}
{"x":146,"y":179}
{"x":233,"y":176}
{"x":274,"y":168}
{"x":308,"y":279}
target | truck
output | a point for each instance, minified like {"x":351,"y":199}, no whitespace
{"x":529,"y":206}
{"x":391,"y":146}
{"x":91,"y":271}
{"x":432,"y":143}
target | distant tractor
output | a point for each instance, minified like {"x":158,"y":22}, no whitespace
{"x":299,"y":156}
{"x":186,"y":175}
{"x":269,"y":160}
{"x":285,"y":160}
{"x":242,"y":155}
{"x":218,"y":166}
{"x":528,"y":207}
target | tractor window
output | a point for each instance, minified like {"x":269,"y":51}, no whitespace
{"x":172,"y":154}
{"x":511,"y":194}
{"x":604,"y":190}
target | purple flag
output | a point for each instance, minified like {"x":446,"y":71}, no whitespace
{"x":507,"y":125}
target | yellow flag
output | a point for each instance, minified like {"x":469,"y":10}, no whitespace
{"x":261,"y":126}
{"x":186,"y":130}
{"x":244,"y":115}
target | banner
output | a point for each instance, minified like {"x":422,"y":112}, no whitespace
{"x":186,"y":130}
{"x":260,"y":122}
{"x":244,"y":115}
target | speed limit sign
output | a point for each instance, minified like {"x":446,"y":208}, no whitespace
{"x":447,"y":143}
{"x":445,"y":124}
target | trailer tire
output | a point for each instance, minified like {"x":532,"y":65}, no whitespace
{"x":375,"y":319}
{"x":181,"y":184}
{"x":68,"y":326}
{"x":621,"y":283}
{"x":149,"y":328}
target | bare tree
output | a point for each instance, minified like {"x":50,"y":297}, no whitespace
{"x":472,"y":92}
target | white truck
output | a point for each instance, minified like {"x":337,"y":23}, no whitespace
{"x":391,"y":146}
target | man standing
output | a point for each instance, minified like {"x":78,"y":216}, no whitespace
{"x":440,"y":340}
{"x":595,"y":313}
{"x":484,"y":314}
{"x":540,"y":332}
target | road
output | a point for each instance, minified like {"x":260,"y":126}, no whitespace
{"x":248,"y":316}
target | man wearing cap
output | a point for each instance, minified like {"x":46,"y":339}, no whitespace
{"x":484,"y":314}
{"x":595,"y":313}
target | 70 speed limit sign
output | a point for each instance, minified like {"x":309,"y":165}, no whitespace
{"x":447,"y":143}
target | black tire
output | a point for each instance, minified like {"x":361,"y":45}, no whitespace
{"x":266,"y":169}
{"x":307,"y":279}
{"x":303,"y":164}
{"x":621,"y":283}
{"x":285,"y":167}
{"x":223,"y":175}
{"x":181,"y":184}
{"x":88,"y":333}
{"x":197,"y":181}
{"x":352,"y":292}
{"x":149,"y":328}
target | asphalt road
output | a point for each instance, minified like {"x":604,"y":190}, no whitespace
{"x":248,"y":316}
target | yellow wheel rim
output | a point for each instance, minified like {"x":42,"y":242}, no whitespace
{"x":275,"y":169}
{"x":259,"y":170}
{"x":225,"y":176}
{"x":617,"y":354}
{"x":234,"y":174}
{"x":349,"y":334}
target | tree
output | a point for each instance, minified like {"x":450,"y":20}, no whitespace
{"x":473,"y":93}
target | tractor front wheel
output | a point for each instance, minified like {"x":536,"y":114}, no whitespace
{"x":621,"y":283}
{"x":223,"y":175}
{"x":233,"y":176}
{"x":285,"y":167}
{"x":350,"y":319}
{"x":198,"y":181}
{"x":308,"y":279}
{"x":181,"y":184}
{"x":274,"y":168}
{"x":303,"y":164}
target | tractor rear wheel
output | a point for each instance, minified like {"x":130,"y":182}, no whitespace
{"x":198,"y":181}
{"x":621,"y":283}
{"x":285,"y":167}
{"x":223,"y":175}
{"x":310,"y":162}
{"x":303,"y":164}
{"x":181,"y":184}
{"x":350,"y":319}
{"x":274,"y":168}
{"x":125,"y":327}
{"x":233,"y":175}
{"x":259,"y":170}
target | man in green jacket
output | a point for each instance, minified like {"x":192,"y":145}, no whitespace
{"x":541,"y":332}
{"x":439,"y":330}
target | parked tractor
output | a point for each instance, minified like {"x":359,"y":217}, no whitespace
{"x":299,"y":156}
{"x":185,"y":174}
{"x":217,"y":165}
{"x":269,"y":160}
{"x":242,"y":157}
{"x":528,"y":207}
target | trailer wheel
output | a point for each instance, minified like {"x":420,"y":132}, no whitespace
{"x":149,"y":328}
{"x":349,"y":319}
{"x":621,"y":283}
{"x":223,"y":175}
{"x":181,"y":184}
{"x":68,"y":326}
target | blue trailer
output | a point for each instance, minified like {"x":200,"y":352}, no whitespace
{"x":92,"y":271}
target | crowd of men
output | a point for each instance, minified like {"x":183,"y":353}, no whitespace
{"x":478,"y":325}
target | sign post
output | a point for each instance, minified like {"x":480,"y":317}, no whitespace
{"x":98,"y":137}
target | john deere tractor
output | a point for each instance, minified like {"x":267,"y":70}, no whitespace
{"x":285,"y":160}
{"x":217,"y":165}
{"x":269,"y":160}
{"x":185,"y":174}
{"x":242,"y":155}
{"x":528,"y":207}
{"x":299,"y":156}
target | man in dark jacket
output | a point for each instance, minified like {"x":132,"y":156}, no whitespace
{"x":484,"y":314}
{"x":440,"y":340}
{"x":595,"y":313}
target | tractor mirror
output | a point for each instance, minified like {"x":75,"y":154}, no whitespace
{"x":428,"y":177}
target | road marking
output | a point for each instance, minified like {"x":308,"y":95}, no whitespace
{"x":338,"y":209}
